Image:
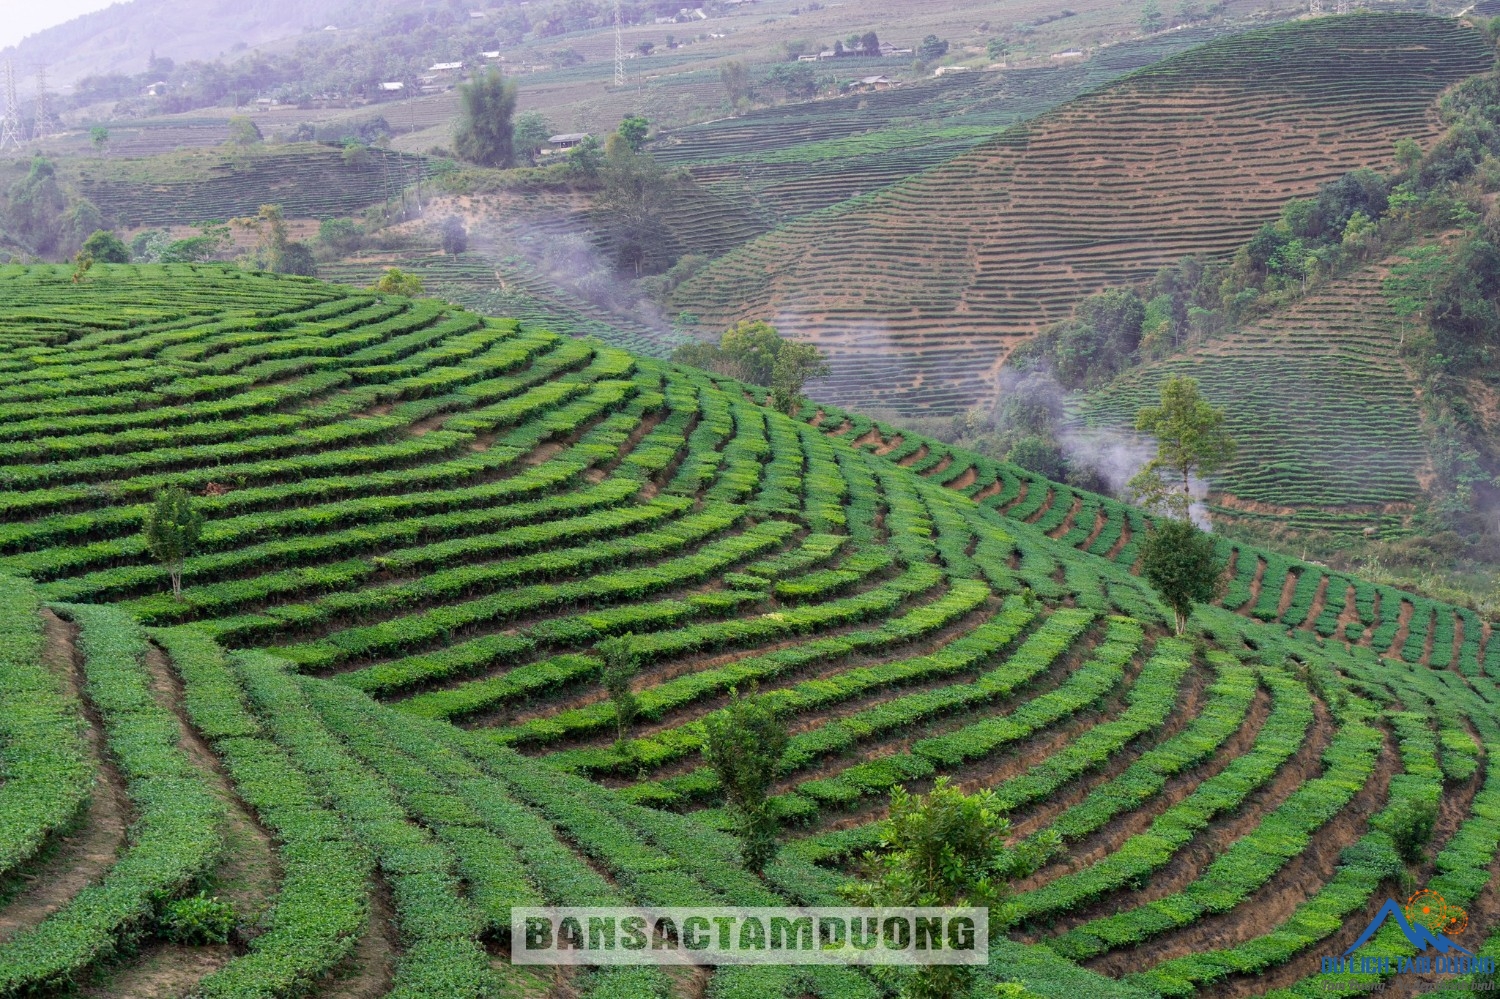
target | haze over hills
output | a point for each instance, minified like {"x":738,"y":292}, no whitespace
{"x":925,"y":286}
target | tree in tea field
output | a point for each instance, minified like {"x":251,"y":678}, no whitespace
{"x":932,"y":47}
{"x":795,"y":364}
{"x":944,"y":848}
{"x":455,"y":237}
{"x":743,"y":743}
{"x":395,"y":281}
{"x":484,"y":135}
{"x":530,"y":134}
{"x":173,"y":526}
{"x":619,"y":664}
{"x":1190,"y":440}
{"x":106,"y":248}
{"x":1181,"y":564}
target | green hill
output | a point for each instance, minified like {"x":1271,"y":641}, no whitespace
{"x":923,"y":287}
{"x":379,"y":686}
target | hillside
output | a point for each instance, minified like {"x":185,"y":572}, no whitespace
{"x":378,"y":689}
{"x":923,"y":287}
{"x":1319,"y":395}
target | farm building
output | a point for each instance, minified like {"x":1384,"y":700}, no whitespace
{"x":565,"y":141}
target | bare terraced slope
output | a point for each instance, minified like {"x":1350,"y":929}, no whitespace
{"x":922,"y":288}
{"x":373,"y":724}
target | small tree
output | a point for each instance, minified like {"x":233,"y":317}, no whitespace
{"x":619,"y":664}
{"x":173,"y":526}
{"x":634,"y":130}
{"x":1181,"y":564}
{"x":736,"y":80}
{"x":795,"y":364}
{"x":945,"y":848}
{"x":99,"y":136}
{"x":1191,"y":440}
{"x":455,"y":236}
{"x":397,"y":282}
{"x":530,"y":134}
{"x":932,"y":47}
{"x":82,"y":261}
{"x":243,"y":132}
{"x":998,"y":48}
{"x":743,"y":743}
{"x":484,"y":133}
{"x":1151,"y":17}
{"x":1408,"y":155}
{"x":106,"y":248}
{"x":869,"y":42}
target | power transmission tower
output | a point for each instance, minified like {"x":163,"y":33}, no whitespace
{"x":619,"y":49}
{"x":44,"y":124}
{"x":10,"y":126}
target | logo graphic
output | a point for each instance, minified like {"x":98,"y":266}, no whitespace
{"x":1424,"y":920}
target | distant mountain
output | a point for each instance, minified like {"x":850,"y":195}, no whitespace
{"x":121,"y":38}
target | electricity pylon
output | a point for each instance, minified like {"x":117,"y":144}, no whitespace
{"x":44,"y":124}
{"x":10,"y":125}
{"x":619,"y":49}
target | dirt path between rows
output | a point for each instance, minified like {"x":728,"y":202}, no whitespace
{"x":84,"y":855}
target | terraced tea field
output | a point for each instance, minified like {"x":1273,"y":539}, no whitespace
{"x":923,"y":287}
{"x":1321,"y":401}
{"x":308,"y":181}
{"x":372,"y":722}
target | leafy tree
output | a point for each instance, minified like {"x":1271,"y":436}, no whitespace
{"x":1190,"y":440}
{"x":795,"y":363}
{"x":1181,"y":564}
{"x":1038,"y":454}
{"x":484,"y":134}
{"x":172,"y":528}
{"x":530,"y":134}
{"x":644,"y":48}
{"x":35,"y":208}
{"x":636,"y":190}
{"x":797,"y":79}
{"x":341,"y":235}
{"x":455,"y":237}
{"x":99,"y":136}
{"x":243,"y":132}
{"x":753,"y":345}
{"x":1151,"y":17}
{"x":869,"y":43}
{"x":1408,"y":154}
{"x":634,"y":130}
{"x":998,"y":48}
{"x":1413,"y":283}
{"x":297,"y":258}
{"x":213,"y":239}
{"x":944,"y":848}
{"x":932,"y":47}
{"x":106,"y":248}
{"x":743,"y":743}
{"x":619,"y":664}
{"x":735,"y":77}
{"x":397,"y":282}
{"x":586,"y":158}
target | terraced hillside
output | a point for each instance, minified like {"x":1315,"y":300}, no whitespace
{"x":791,"y":159}
{"x":1324,"y":405}
{"x":923,"y":287}
{"x":308,"y":181}
{"x":372,"y":723}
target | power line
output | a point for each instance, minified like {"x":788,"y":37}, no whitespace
{"x":10,"y":125}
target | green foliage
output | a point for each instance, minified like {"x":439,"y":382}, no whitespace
{"x":106,"y":248}
{"x":484,"y":133}
{"x":197,"y":920}
{"x":172,"y":529}
{"x":619,"y":665}
{"x":943,"y":848}
{"x":243,"y":132}
{"x":795,"y":363}
{"x":743,"y":743}
{"x":454,"y":237}
{"x":1040,"y":455}
{"x":753,"y":351}
{"x":932,"y":48}
{"x":1182,"y":564}
{"x":530,"y":133}
{"x":1190,"y":440}
{"x":396,"y":282}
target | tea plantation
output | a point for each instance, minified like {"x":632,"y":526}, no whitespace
{"x":372,"y":724}
{"x":925,"y":285}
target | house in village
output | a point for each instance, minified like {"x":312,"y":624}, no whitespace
{"x":562,"y":143}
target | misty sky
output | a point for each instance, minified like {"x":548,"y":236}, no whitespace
{"x":19,"y":18}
